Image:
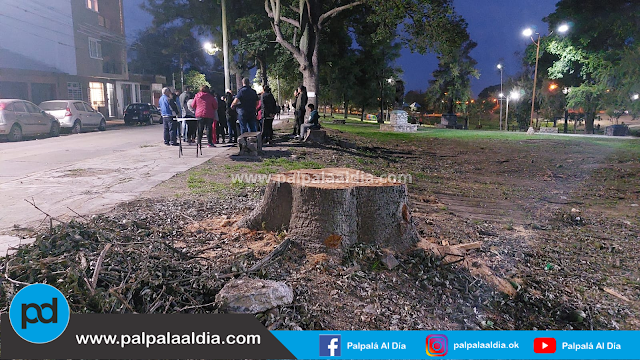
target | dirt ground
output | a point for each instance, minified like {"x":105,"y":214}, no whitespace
{"x":557,"y":221}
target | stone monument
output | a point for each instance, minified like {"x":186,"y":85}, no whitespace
{"x":449,"y":120}
{"x":399,"y":119}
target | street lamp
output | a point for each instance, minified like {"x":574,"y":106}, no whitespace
{"x":529,"y":33}
{"x":500,"y":67}
{"x":210,"y":48}
{"x":635,"y":97}
{"x":515,"y":95}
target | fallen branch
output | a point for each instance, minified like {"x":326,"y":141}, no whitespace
{"x":96,"y":271}
{"x":616,"y":294}
{"x":279,"y":250}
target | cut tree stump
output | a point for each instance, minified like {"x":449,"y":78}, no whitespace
{"x":316,"y":136}
{"x":335,"y":208}
{"x":250,"y":144}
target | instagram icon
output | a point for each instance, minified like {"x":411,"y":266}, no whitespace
{"x":437,"y":345}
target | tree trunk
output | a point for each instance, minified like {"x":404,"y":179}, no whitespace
{"x":238,"y":81}
{"x":346,"y":109}
{"x":263,"y":71}
{"x":335,"y":208}
{"x":588,"y":122}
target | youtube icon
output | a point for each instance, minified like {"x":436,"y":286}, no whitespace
{"x":544,"y":345}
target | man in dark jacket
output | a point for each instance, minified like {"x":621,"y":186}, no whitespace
{"x":232,"y":118}
{"x":301,"y":104}
{"x":269,"y":111}
{"x":221,"y":129}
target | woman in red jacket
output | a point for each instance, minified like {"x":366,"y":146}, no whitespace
{"x":205,"y":106}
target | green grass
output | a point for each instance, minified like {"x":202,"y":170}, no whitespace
{"x":288,"y":164}
{"x":372,"y":131}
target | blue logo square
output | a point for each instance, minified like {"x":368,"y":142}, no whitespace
{"x":330,"y":345}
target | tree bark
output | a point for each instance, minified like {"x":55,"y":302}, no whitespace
{"x":310,"y":25}
{"x":336,"y":208}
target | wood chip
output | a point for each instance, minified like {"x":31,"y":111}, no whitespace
{"x":616,"y":294}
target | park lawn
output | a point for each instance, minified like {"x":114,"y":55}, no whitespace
{"x":372,"y":131}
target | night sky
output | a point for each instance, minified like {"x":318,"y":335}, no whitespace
{"x":496,"y":25}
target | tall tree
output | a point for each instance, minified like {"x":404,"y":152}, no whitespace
{"x":603,"y":34}
{"x":451,"y":82}
{"x":428,"y":25}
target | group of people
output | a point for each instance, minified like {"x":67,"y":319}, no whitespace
{"x":229,"y":115}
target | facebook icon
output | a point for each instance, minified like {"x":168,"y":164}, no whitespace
{"x":330,"y":345}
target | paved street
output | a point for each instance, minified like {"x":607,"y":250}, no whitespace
{"x":88,"y":173}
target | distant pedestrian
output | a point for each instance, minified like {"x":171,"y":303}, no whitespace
{"x":269,"y":111}
{"x":176,"y":97}
{"x":206,"y":107}
{"x":301,"y":104}
{"x":232,"y":118}
{"x":245,"y":104}
{"x":168,"y":110}
{"x":221,"y":128}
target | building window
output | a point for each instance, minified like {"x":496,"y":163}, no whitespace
{"x":92,"y":5}
{"x":95,"y":49}
{"x":96,"y":94}
{"x":74,"y":91}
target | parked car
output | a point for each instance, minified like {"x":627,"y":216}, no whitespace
{"x":20,"y":118}
{"x":142,"y":113}
{"x":75,"y":115}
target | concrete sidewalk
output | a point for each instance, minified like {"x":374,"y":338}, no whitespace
{"x":86,"y":173}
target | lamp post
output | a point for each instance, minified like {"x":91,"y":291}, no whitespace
{"x":500,"y":67}
{"x":566,"y":92}
{"x":513,"y":96}
{"x":529,"y":33}
{"x":225,"y":46}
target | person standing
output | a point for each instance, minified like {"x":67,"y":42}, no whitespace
{"x":168,"y":110}
{"x":186,"y":112}
{"x":222,"y":119}
{"x":245,"y":104}
{"x":269,"y":111}
{"x":301,"y":104}
{"x":205,"y":106}
{"x":232,"y":119}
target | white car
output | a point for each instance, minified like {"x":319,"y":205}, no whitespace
{"x":75,"y":115}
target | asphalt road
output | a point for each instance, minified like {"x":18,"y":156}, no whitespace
{"x":88,"y":173}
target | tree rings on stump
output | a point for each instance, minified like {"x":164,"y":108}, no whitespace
{"x":335,"y":208}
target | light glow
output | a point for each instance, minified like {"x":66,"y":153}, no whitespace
{"x":563,"y":28}
{"x":527,"y":32}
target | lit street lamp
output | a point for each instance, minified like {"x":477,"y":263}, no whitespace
{"x":500,"y":67}
{"x":515,"y":95}
{"x":529,"y":33}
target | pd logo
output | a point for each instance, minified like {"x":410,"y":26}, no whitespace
{"x":39,"y":313}
{"x":330,"y":345}
{"x":437,"y":345}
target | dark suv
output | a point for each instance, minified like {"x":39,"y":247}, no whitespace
{"x":141,"y":113}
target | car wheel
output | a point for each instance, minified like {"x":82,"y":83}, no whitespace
{"x":55,"y":129}
{"x":129,"y":123}
{"x":77,"y":127}
{"x":15,"y":134}
{"x":103,"y":125}
{"x":150,"y":121}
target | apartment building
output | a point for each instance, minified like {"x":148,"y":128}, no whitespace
{"x":66,"y":49}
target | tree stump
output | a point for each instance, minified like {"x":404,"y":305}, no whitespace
{"x":316,"y":136}
{"x":250,"y":144}
{"x":335,"y":208}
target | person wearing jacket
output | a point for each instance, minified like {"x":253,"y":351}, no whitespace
{"x":221,"y":126}
{"x":232,"y":118}
{"x":169,"y":110}
{"x":269,"y":110}
{"x":301,"y":104}
{"x":312,"y":123}
{"x":206,"y":108}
